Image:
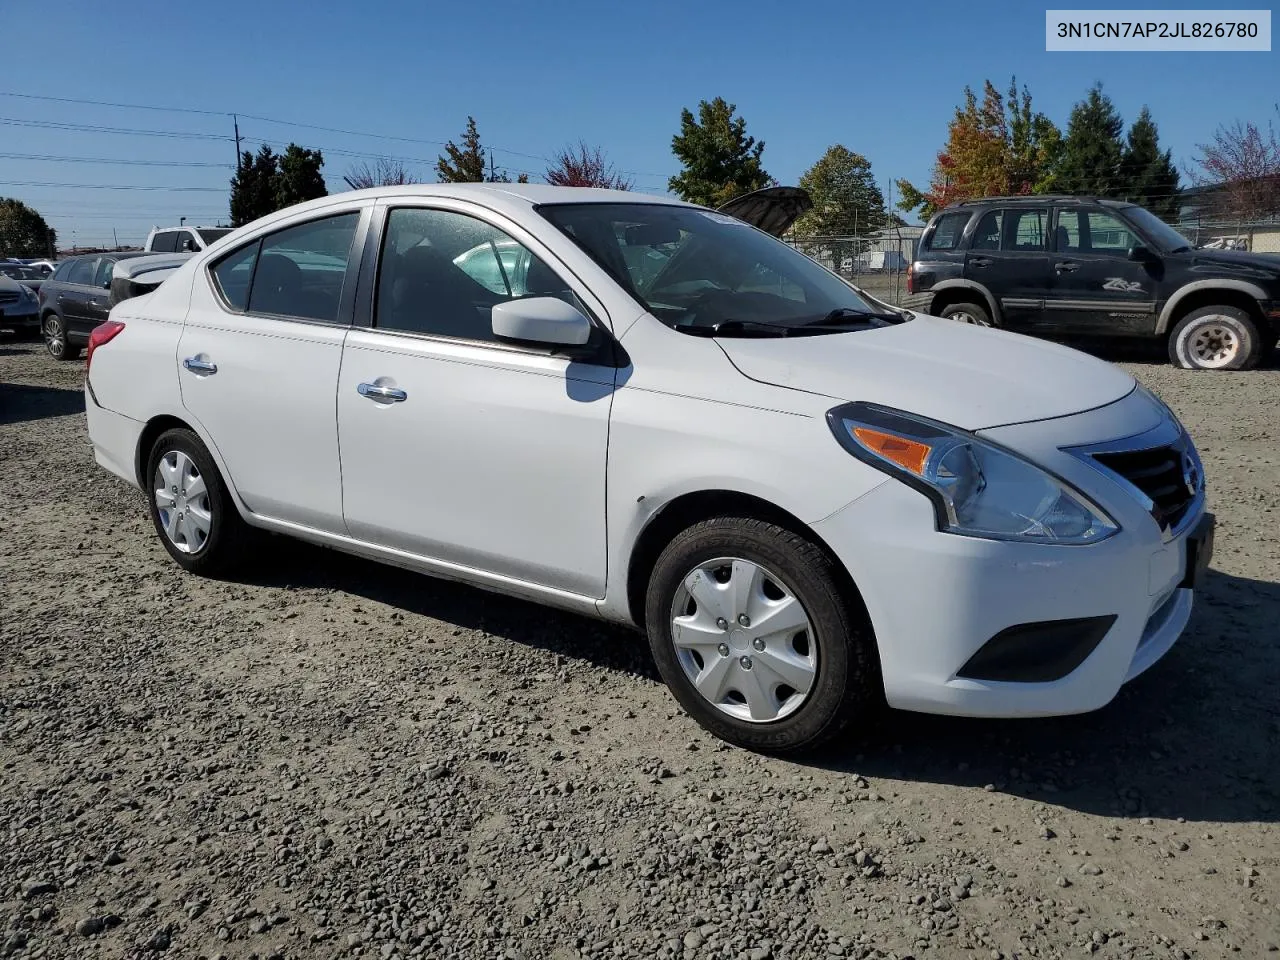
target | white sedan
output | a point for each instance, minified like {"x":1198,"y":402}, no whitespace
{"x":654,"y":413}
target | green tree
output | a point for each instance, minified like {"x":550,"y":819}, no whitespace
{"x":23,"y":232}
{"x":718,"y":160}
{"x":463,"y":164}
{"x":253,"y":188}
{"x":1093,"y":151}
{"x":846,"y":201}
{"x":1147,"y":172}
{"x":1034,"y":145}
{"x":299,"y":178}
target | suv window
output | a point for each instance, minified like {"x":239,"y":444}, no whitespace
{"x":1024,"y":229}
{"x":1093,"y":231}
{"x":166,"y":241}
{"x":987,"y":236}
{"x":188,"y":242}
{"x":947,"y":231}
{"x":82,"y":271}
{"x":441,"y":273}
{"x":103,"y":274}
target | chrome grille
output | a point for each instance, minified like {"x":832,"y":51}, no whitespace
{"x":1168,"y":476}
{"x":8,"y":298}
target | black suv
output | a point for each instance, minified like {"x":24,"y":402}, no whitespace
{"x":75,"y":300}
{"x":1076,"y":266}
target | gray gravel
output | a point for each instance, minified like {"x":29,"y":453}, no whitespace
{"x":331,"y":758}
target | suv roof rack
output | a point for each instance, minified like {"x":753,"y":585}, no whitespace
{"x":1040,"y":198}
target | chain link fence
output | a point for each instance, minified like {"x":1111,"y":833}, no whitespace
{"x":877,"y":262}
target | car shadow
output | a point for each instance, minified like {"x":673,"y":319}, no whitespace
{"x":1197,"y":736}
{"x":1149,"y":351}
{"x":20,"y":403}
{"x":294,"y":564}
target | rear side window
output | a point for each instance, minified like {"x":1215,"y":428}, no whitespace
{"x":1024,"y":230}
{"x":103,"y":275}
{"x":297,"y":272}
{"x":987,"y":235}
{"x":947,"y":231}
{"x":166,"y":241}
{"x":82,"y":271}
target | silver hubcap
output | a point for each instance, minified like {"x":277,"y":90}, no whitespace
{"x":964,"y":316}
{"x":1213,"y":345}
{"x":53,"y":335}
{"x":744,"y":640}
{"x":182,"y":501}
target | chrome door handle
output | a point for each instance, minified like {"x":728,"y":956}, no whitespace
{"x":979,"y":262}
{"x":1066,"y":267}
{"x":201,"y":368}
{"x":379,"y":393}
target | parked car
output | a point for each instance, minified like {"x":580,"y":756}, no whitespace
{"x":28,"y":276}
{"x":75,"y":300}
{"x":811,"y":503}
{"x":46,"y":267}
{"x":182,"y":239}
{"x":18,"y":309}
{"x":1056,"y":265}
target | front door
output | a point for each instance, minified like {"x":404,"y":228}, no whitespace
{"x":1096,"y":288}
{"x":75,"y":295}
{"x":1008,"y":254}
{"x":258,"y":364}
{"x":479,"y":454}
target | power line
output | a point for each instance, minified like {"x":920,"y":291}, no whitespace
{"x":95,"y":128}
{"x":108,"y":186}
{"x":131,"y":163}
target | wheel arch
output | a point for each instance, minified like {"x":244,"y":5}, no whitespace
{"x":170,"y":421}
{"x":957,"y":291}
{"x":685,"y":510}
{"x":1205,"y":293}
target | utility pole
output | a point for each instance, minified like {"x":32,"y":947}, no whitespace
{"x":236,"y":123}
{"x":114,"y":239}
{"x":492,"y":174}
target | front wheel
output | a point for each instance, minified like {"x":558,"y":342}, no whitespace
{"x":191,"y":507}
{"x":1216,"y":338}
{"x":753,"y":633}
{"x":970,"y":313}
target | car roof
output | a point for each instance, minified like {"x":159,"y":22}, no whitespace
{"x":531,"y":193}
{"x":1033,"y":199}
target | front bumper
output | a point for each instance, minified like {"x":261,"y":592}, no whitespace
{"x":936,"y":599}
{"x":19,"y":317}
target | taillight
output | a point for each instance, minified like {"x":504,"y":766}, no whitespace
{"x":911,"y":276}
{"x":102,"y":334}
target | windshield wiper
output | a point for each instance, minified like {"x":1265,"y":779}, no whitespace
{"x":841,"y":317}
{"x":738,"y":327}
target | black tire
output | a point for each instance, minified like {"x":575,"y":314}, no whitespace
{"x":228,"y":540}
{"x":847,"y":685}
{"x":973,"y":313}
{"x":1194,"y":337}
{"x":54,"y":332}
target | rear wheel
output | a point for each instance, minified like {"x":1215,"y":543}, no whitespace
{"x":753,"y":633}
{"x":970,"y":313}
{"x":54,"y":330}
{"x":1216,"y":338}
{"x":191,"y":508}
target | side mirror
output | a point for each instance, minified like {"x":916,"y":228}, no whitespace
{"x":1140,"y":253}
{"x":106,"y":285}
{"x":543,"y":320}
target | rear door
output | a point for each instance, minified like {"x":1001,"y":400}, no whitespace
{"x":73,"y":297}
{"x":258,"y":363}
{"x":97,"y":305}
{"x":1008,"y":254}
{"x":1096,"y":288}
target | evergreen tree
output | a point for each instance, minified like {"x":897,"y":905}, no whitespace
{"x":1148,"y":174}
{"x":299,"y":177}
{"x":463,"y":164}
{"x":1093,"y":150}
{"x":253,"y":188}
{"x":718,"y":160}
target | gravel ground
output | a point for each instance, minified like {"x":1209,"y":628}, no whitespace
{"x":334,"y":758}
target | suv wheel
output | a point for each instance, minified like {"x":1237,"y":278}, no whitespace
{"x":1216,"y":338}
{"x":55,"y":339}
{"x":750,"y":628}
{"x":967,"y":313}
{"x":191,"y":507}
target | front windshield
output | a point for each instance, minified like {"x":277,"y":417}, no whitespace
{"x":695,"y":269}
{"x":1165,"y":237}
{"x":15,"y":272}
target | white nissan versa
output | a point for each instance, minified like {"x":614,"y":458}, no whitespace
{"x":657,"y":414}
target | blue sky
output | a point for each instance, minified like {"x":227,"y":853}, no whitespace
{"x":881,"y":78}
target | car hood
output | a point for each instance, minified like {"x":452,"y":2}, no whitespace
{"x":773,"y":209}
{"x":1240,"y":259}
{"x":9,"y":285}
{"x":970,"y":377}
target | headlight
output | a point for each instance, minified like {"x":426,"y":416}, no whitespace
{"x":978,"y":489}
{"x":27,"y":292}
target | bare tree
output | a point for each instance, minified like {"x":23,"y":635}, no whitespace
{"x":583,"y":166}
{"x":1242,"y":167}
{"x":384,"y":172}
